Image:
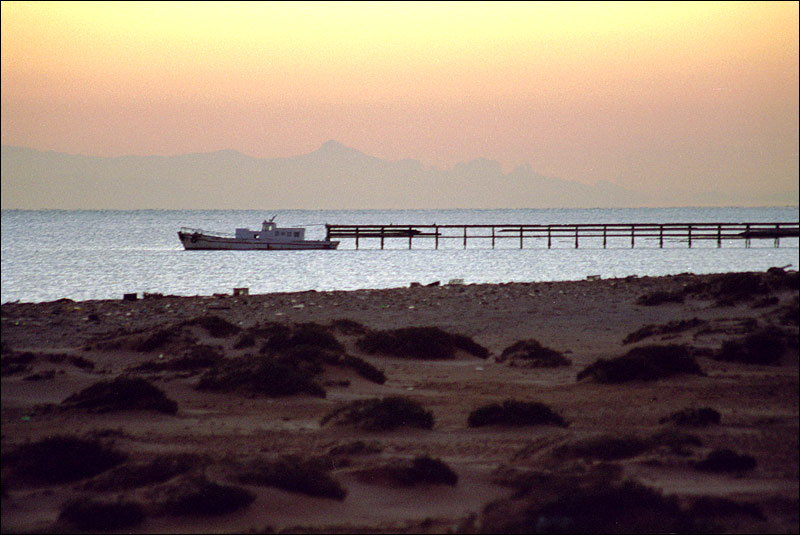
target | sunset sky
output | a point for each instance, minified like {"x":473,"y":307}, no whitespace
{"x":699,"y":96}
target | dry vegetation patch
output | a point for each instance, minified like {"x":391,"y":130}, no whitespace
{"x":531,"y":353}
{"x":693,"y":417}
{"x":515,"y":413}
{"x":100,"y":515}
{"x":196,"y":495}
{"x":134,"y":475}
{"x":423,"y":470}
{"x":62,"y":458}
{"x":570,"y":505}
{"x":645,"y":363}
{"x":725,"y":460}
{"x":381,"y":414}
{"x":294,"y":475}
{"x":671,"y":327}
{"x":262,"y":376}
{"x":419,"y":343}
{"x":121,"y":394}
{"x":765,"y":346}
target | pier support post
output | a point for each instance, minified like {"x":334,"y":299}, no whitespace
{"x":576,"y":236}
{"x":661,"y":236}
{"x":719,"y":236}
{"x":605,"y":229}
{"x":492,"y":237}
{"x":436,"y":232}
{"x":633,"y":235}
{"x":549,"y":237}
{"x":520,"y":237}
{"x":383,"y":230}
{"x":465,"y":237}
{"x":690,"y":236}
{"x":357,"y":237}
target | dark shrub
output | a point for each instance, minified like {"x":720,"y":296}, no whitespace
{"x":737,"y":286}
{"x":677,"y":442}
{"x":158,"y":339}
{"x":260,"y":375}
{"x":658,"y":298}
{"x":626,"y":507}
{"x":359,"y":447}
{"x":718,"y":506}
{"x":312,"y":334}
{"x":605,"y":447}
{"x":216,"y":326}
{"x":533,"y":354}
{"x":92,"y":514}
{"x":121,"y":394}
{"x":16,"y":362}
{"x":62,"y":458}
{"x":762,"y":347}
{"x":160,"y":469}
{"x":294,"y":475}
{"x":247,"y":339}
{"x":422,"y":470}
{"x":668,"y":328}
{"x":516,"y":413}
{"x":350,"y":327}
{"x":199,"y":356}
{"x":467,"y":344}
{"x":419,"y":343}
{"x":364,"y":369}
{"x":199,"y":496}
{"x":382,"y":414}
{"x":725,"y":460}
{"x":78,"y":362}
{"x":646,"y":363}
{"x":693,"y":417}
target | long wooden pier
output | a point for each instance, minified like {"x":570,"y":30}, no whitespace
{"x":634,"y":232}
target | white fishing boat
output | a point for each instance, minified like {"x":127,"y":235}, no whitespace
{"x":269,"y":238}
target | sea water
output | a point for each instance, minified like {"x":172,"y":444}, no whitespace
{"x":82,"y":255}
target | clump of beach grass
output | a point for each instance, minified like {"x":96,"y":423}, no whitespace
{"x":531,"y":353}
{"x":765,"y":346}
{"x":422,"y":470}
{"x":419,"y":343}
{"x":693,"y":417}
{"x":93,"y":514}
{"x":261,"y":375}
{"x":725,"y":460}
{"x":121,"y":394}
{"x":62,"y":458}
{"x":645,"y":363}
{"x":381,"y":414}
{"x":293,"y":474}
{"x":515,"y":413}
{"x":197,"y":495}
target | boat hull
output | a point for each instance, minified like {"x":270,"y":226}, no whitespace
{"x":204,"y":242}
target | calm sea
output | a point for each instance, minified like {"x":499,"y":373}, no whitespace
{"x":81,"y":255}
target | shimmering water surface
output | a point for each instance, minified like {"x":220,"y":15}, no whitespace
{"x":80,"y":255}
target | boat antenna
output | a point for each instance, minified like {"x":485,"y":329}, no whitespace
{"x":271,"y":219}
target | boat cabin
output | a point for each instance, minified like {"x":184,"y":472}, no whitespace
{"x":271,"y":232}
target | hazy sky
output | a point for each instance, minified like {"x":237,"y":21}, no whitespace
{"x":695,"y":95}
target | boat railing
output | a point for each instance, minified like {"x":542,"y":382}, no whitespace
{"x":189,"y":230}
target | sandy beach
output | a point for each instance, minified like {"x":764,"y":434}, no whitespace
{"x":644,"y":404}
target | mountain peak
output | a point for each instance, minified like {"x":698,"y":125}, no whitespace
{"x":333,"y":146}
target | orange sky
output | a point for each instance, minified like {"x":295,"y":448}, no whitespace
{"x":695,"y":95}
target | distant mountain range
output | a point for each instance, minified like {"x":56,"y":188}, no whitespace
{"x":332,"y":177}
